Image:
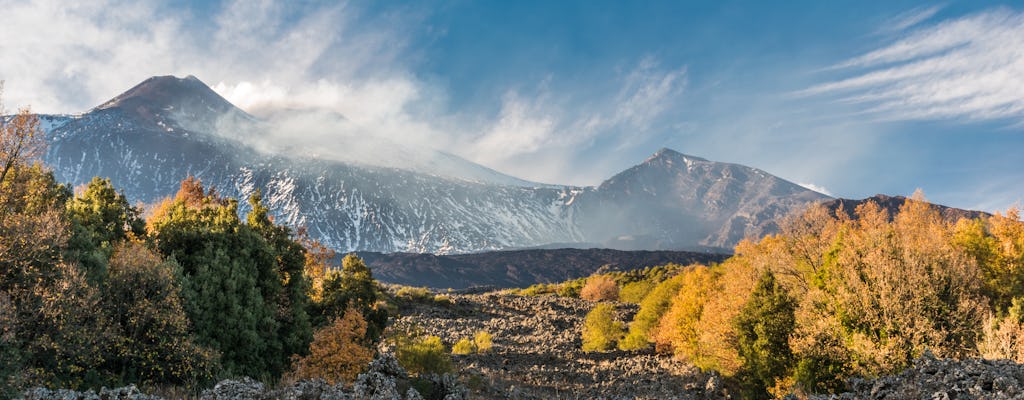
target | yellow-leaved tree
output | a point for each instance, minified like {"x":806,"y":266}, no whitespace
{"x":338,"y":353}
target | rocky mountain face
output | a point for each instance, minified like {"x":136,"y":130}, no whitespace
{"x":892,"y":204}
{"x":150,"y":138}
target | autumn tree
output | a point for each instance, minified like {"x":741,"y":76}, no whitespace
{"x":652,"y":308}
{"x":21,"y":139}
{"x":679,"y":327}
{"x":353,"y":285}
{"x":338,"y":352}
{"x":600,"y":288}
{"x":152,"y":342}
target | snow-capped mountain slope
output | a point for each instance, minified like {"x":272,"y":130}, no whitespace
{"x":156,"y":134}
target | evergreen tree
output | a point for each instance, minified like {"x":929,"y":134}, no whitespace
{"x":763,"y":328}
{"x":295,"y":328}
{"x":232,"y":286}
{"x":100,"y":218}
{"x":353,"y":285}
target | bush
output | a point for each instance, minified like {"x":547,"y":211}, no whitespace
{"x":482,"y":340}
{"x":652,"y":308}
{"x":422,"y":354}
{"x":338,"y":352}
{"x":600,"y":329}
{"x":481,"y":343}
{"x":600,"y":288}
{"x":634,"y":292}
{"x":571,"y":288}
{"x":463,"y":347}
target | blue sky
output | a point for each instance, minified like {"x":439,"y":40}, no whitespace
{"x":855,"y":98}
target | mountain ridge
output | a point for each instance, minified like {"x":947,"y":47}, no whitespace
{"x":164,"y":129}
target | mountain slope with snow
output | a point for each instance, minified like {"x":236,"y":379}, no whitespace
{"x":150,"y":138}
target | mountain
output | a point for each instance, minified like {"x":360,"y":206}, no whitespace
{"x":892,"y":204}
{"x":159,"y":132}
{"x":517,"y":268}
{"x":673,"y":201}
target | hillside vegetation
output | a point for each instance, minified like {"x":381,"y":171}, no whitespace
{"x":94,"y":292}
{"x":832,"y":296}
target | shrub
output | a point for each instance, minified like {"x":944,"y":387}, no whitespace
{"x":338,"y":353}
{"x":414,"y":294}
{"x":422,"y":354}
{"x":443,"y":300}
{"x":463,"y":347}
{"x":600,"y":288}
{"x":482,"y":340}
{"x":600,"y":329}
{"x":481,"y":343}
{"x":652,"y":308}
{"x":571,"y":288}
{"x":634,"y":292}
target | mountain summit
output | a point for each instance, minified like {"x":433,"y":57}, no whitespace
{"x":172,"y":103}
{"x":154,"y":135}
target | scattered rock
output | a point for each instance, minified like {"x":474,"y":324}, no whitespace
{"x":941,"y":379}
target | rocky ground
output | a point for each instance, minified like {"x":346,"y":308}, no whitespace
{"x":536,"y":353}
{"x":939,"y":379}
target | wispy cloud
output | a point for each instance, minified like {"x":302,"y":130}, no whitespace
{"x":269,"y":55}
{"x":969,"y":68}
{"x":911,"y":18}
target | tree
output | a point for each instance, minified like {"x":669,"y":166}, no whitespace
{"x":295,"y":328}
{"x":679,"y":328}
{"x":100,"y":218}
{"x":353,"y":285}
{"x":600,"y":329}
{"x":153,"y":342}
{"x":600,"y":288}
{"x":338,"y":352}
{"x":232,"y":287}
{"x":652,"y":308}
{"x":763,"y":329}
{"x":21,"y":139}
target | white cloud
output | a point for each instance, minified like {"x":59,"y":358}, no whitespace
{"x":911,"y":18}
{"x":538,"y":136}
{"x":817,"y":188}
{"x":265,"y":55}
{"x":970,"y":68}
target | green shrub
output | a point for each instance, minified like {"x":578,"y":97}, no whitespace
{"x":634,"y":292}
{"x":482,"y":340}
{"x":571,"y":288}
{"x":481,"y":343}
{"x":463,"y":347}
{"x":600,"y":329}
{"x":652,"y":308}
{"x":423,"y":354}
